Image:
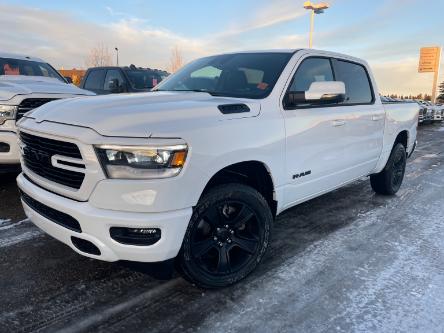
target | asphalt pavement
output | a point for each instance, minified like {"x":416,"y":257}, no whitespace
{"x":349,"y":261}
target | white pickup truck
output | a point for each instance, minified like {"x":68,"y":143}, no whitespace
{"x":198,"y":169}
{"x":25,"y":83}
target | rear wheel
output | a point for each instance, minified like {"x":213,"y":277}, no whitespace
{"x":228,"y":235}
{"x":389,"y":180}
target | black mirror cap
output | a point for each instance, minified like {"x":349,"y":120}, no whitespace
{"x":68,"y":79}
{"x":293,"y":99}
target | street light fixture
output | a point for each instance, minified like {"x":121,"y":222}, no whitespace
{"x":117,"y":55}
{"x":315,"y":9}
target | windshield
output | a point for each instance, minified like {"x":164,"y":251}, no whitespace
{"x":144,"y":79}
{"x":244,"y":75}
{"x":10,"y":66}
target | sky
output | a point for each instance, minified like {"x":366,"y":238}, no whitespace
{"x":386,"y":33}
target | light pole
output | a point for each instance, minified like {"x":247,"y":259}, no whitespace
{"x":315,"y":9}
{"x":117,"y":55}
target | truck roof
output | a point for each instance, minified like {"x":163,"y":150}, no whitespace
{"x":19,"y":57}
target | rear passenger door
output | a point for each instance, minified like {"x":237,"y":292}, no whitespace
{"x":95,"y":81}
{"x":366,"y":127}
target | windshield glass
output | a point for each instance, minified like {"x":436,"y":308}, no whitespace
{"x":10,"y":66}
{"x":144,"y":79}
{"x":244,"y":75}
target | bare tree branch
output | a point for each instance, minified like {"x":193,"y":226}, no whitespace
{"x":99,"y":56}
{"x":176,"y":60}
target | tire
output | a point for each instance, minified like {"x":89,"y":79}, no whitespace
{"x":227,"y":237}
{"x":389,"y":180}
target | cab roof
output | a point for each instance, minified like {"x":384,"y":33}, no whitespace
{"x":19,"y":57}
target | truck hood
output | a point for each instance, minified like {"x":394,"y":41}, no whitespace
{"x":12,"y":85}
{"x":157,"y":114}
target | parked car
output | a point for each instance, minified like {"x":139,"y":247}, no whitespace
{"x":115,"y":80}
{"x":198,"y":169}
{"x":438,"y":112}
{"x":25,"y":83}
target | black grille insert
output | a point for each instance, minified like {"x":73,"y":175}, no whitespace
{"x":85,"y":246}
{"x":51,"y":214}
{"x":31,"y":103}
{"x":37,"y":153}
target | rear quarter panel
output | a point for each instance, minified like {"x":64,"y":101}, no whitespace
{"x":399,"y":117}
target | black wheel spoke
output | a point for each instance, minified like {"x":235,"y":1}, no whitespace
{"x":223,"y":265}
{"x":246,"y":244}
{"x":213,"y":216}
{"x":243,"y":217}
{"x":202,"y":248}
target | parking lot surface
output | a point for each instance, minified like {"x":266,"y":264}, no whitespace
{"x":347,"y":261}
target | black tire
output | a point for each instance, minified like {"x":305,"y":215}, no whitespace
{"x":389,"y":180}
{"x":227,"y":237}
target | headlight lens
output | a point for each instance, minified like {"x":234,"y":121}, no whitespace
{"x":7,"y":112}
{"x":134,"y":162}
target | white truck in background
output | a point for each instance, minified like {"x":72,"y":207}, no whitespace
{"x":198,"y":169}
{"x":25,"y":83}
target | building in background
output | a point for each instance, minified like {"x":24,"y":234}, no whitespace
{"x":76,"y":75}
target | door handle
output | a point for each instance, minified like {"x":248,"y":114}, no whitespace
{"x":338,"y":122}
{"x":377,"y":118}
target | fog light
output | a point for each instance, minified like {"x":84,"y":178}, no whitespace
{"x":136,"y":236}
{"x":4,"y":147}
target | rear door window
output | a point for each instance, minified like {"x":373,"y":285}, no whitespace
{"x":95,"y":80}
{"x":358,"y":88}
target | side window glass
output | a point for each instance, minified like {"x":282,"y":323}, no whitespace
{"x":311,"y":70}
{"x":95,"y":80}
{"x":357,"y":85}
{"x":114,"y":81}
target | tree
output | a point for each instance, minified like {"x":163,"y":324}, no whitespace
{"x":176,"y":60}
{"x":98,"y":56}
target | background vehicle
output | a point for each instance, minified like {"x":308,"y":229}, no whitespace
{"x":25,"y":83}
{"x":114,"y":80}
{"x":198,"y":169}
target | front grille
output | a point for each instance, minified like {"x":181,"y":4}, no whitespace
{"x":37,"y":153}
{"x":51,"y":214}
{"x":29,"y":104}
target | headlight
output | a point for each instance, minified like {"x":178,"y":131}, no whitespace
{"x":7,"y":112}
{"x":135,"y":162}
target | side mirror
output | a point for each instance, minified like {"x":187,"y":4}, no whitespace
{"x":68,"y":79}
{"x":114,"y":86}
{"x":322,"y":92}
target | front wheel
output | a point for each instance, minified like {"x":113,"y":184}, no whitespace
{"x":389,"y":180}
{"x":227,"y":237}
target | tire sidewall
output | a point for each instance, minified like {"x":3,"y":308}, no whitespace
{"x":238,"y":192}
{"x":398,"y":149}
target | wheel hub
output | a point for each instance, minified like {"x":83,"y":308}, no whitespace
{"x":223,"y":235}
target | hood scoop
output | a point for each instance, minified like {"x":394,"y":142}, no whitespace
{"x":233,"y":108}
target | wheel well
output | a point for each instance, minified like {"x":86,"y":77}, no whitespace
{"x":402,"y":138}
{"x":251,"y":173}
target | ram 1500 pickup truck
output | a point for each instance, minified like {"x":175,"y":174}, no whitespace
{"x":198,"y":169}
{"x":25,"y":83}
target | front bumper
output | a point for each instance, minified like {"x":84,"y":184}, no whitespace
{"x":96,"y":223}
{"x":13,"y":155}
